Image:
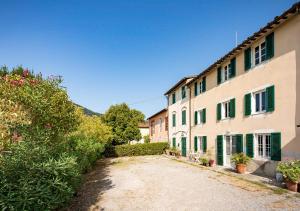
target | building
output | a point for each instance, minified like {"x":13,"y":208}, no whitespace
{"x":144,"y":129}
{"x":179,"y":115}
{"x":247,"y":101}
{"x":158,"y":124}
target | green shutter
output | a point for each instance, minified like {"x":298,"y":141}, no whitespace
{"x":276,"y":146}
{"x":203,"y":119}
{"x":220,"y":150}
{"x":174,"y":120}
{"x":239,"y":143}
{"x":196,"y":117}
{"x":232,"y":68}
{"x":219,"y":75}
{"x":232,"y":108}
{"x":195,"y":144}
{"x":204,"y":84}
{"x":195,"y":89}
{"x":219,"y":111}
{"x":174,"y":142}
{"x":270,"y":45}
{"x":247,"y":59}
{"x":249,"y":145}
{"x":183,"y":115}
{"x":247,"y":104}
{"x":270,"y":91}
{"x":183,"y":92}
{"x":204,"y":142}
{"x":173,"y":98}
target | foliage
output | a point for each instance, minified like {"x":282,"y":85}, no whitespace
{"x":33,"y":179}
{"x":290,"y":170}
{"x":139,"y":149}
{"x":146,"y":139}
{"x":240,"y":158}
{"x":174,"y":151}
{"x":51,"y":113}
{"x":92,"y":128}
{"x":204,"y":161}
{"x":45,"y":144}
{"x":124,"y":123}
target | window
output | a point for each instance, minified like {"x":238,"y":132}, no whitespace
{"x":225,"y":110}
{"x":152,"y":127}
{"x":225,"y":73}
{"x":200,"y":117}
{"x":183,"y":92}
{"x":201,"y":87}
{"x":160,"y":124}
{"x":173,"y":98}
{"x":166,"y":124}
{"x":260,"y":101}
{"x":200,"y":142}
{"x":260,"y":53}
{"x":183,"y":116}
{"x":174,"y":120}
{"x":263,"y":149}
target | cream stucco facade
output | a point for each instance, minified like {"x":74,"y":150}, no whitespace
{"x":281,"y":71}
{"x":249,"y":100}
{"x":179,"y":133}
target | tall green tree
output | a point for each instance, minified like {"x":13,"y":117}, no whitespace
{"x":124,"y":123}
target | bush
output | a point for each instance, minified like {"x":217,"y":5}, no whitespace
{"x":290,"y":170}
{"x":240,"y":158}
{"x":139,"y":149}
{"x":33,"y":179}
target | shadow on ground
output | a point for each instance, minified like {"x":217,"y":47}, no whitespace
{"x":94,"y":185}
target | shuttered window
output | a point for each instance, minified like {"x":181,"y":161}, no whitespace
{"x":219,"y":75}
{"x":195,"y":89}
{"x":174,"y":142}
{"x":196,"y":117}
{"x":219,"y":111}
{"x":183,"y":116}
{"x":204,"y":84}
{"x":270,"y":46}
{"x":173,"y":98}
{"x":247,"y":59}
{"x":232,"y":108}
{"x":174,"y":120}
{"x":204,"y":142}
{"x":270,"y":98}
{"x":247,"y":104}
{"x":183,"y":92}
{"x":276,"y":146}
{"x":220,"y":150}
{"x":239,"y":143}
{"x":195,"y":143}
{"x":249,"y":145}
{"x":203,"y":115}
{"x":232,"y":70}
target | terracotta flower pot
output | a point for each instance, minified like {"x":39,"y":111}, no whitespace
{"x":211,"y":163}
{"x":241,"y":168}
{"x":292,"y":186}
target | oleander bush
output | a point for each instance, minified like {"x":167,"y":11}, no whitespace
{"x":46,"y":143}
{"x":139,"y":149}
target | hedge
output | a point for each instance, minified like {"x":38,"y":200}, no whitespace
{"x":138,"y":149}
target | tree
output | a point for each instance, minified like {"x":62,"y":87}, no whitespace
{"x":124,"y":123}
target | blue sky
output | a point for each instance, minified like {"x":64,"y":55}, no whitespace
{"x":113,"y":51}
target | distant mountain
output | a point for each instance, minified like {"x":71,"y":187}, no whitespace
{"x":88,"y":111}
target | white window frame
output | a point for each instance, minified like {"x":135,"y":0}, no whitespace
{"x":223,"y":109}
{"x":225,"y":72}
{"x":254,"y":103}
{"x":266,"y":137}
{"x":260,"y":51}
{"x":200,"y":144}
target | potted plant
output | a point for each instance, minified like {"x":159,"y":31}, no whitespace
{"x":291,"y":173}
{"x":203,"y":161}
{"x":240,"y":160}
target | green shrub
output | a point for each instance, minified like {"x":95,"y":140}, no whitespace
{"x":33,"y":179}
{"x":290,"y":170}
{"x":139,"y":149}
{"x":240,"y":158}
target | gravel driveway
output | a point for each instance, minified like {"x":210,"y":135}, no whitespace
{"x":158,"y":183}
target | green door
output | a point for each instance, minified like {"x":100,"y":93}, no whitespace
{"x":183,"y":146}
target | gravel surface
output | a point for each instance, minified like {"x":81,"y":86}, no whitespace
{"x":158,"y":183}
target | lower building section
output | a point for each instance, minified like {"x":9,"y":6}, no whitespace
{"x":265,"y":149}
{"x":180,"y":143}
